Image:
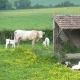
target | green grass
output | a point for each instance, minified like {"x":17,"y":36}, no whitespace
{"x":23,"y":64}
{"x":33,"y":18}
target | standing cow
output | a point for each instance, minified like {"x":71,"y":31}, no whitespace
{"x":9,"y":41}
{"x":25,"y":35}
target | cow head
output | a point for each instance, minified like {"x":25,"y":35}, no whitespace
{"x":41,"y":34}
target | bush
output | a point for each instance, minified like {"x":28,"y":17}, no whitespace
{"x":67,"y":48}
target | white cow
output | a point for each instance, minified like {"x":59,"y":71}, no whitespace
{"x":25,"y":35}
{"x":46,"y":42}
{"x":9,"y":41}
{"x":76,"y":67}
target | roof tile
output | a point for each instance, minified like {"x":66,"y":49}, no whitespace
{"x":67,"y":21}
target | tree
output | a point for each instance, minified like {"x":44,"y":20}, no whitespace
{"x":66,"y":3}
{"x":22,"y":4}
{"x":9,"y":5}
{"x":4,"y":4}
{"x":16,"y":4}
{"x":50,"y":5}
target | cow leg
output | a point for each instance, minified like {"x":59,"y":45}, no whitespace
{"x":48,"y":43}
{"x":17,"y":40}
{"x":33,"y":41}
{"x":13,"y":45}
{"x":16,"y":44}
{"x":6,"y":45}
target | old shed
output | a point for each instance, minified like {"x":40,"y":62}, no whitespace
{"x":66,"y":30}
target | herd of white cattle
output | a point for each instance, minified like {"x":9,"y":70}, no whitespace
{"x":30,"y":35}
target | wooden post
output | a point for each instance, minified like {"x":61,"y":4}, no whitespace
{"x":53,"y":34}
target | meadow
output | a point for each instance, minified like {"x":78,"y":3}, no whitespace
{"x":33,"y":18}
{"x":38,"y":63}
{"x":24,"y":64}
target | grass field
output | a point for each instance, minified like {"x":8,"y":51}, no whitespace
{"x":33,"y":18}
{"x":38,"y":63}
{"x":24,"y":64}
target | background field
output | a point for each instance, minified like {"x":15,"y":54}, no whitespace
{"x":25,"y":62}
{"x":33,"y":18}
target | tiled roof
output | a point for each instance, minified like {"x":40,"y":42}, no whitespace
{"x":67,"y":21}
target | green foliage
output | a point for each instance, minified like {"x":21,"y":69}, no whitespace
{"x":22,"y":4}
{"x":23,"y":64}
{"x":67,"y":48}
{"x":5,"y":4}
{"x":49,"y":34}
{"x":66,"y":3}
{"x":5,"y":34}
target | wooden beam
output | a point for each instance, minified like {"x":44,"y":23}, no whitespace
{"x":72,"y":56}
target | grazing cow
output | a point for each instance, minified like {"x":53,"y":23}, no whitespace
{"x":46,"y":42}
{"x":25,"y":35}
{"x":9,"y":41}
